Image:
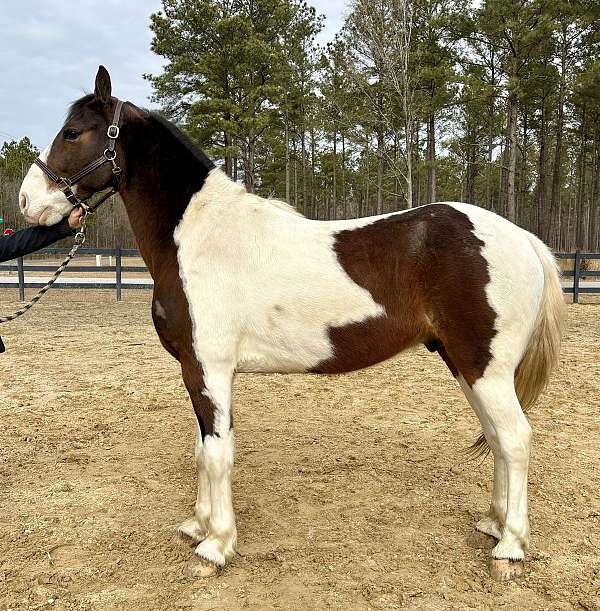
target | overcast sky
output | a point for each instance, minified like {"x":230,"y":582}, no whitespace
{"x":50,"y":51}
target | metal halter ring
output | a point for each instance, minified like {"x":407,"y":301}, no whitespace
{"x":110,"y":155}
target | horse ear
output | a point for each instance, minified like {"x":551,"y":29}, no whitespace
{"x":103,"y":87}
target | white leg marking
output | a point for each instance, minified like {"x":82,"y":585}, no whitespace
{"x":218,"y":451}
{"x":202,"y":507}
{"x":492,"y":523}
{"x":511,"y":432}
{"x":196,"y":527}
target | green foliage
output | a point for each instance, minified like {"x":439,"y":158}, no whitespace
{"x":16,"y":157}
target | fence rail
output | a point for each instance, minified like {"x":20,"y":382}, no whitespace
{"x":119,"y":283}
{"x":576,"y":273}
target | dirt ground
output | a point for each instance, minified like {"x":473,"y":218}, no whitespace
{"x":351,"y":492}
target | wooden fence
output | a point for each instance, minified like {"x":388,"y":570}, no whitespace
{"x":576,"y":273}
{"x":119,"y":283}
{"x":118,"y":269}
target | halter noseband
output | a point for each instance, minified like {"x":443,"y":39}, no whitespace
{"x":109,"y":156}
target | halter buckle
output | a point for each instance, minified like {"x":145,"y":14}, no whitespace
{"x":113,"y":131}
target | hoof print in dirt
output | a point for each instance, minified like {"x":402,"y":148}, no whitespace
{"x":503,"y":569}
{"x":199,"y":568}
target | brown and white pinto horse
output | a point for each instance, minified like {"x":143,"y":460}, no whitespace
{"x":247,"y":284}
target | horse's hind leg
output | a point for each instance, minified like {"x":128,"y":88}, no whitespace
{"x":509,"y":435}
{"x":491,"y":524}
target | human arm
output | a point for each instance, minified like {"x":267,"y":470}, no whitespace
{"x":31,"y":239}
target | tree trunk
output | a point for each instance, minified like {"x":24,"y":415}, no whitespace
{"x":344,"y":203}
{"x":249,"y":163}
{"x":295,"y":175}
{"x":380,"y":170}
{"x":304,"y":182}
{"x":333,"y":213}
{"x":431,"y":180}
{"x":512,"y":160}
{"x":418,"y":195}
{"x":557,"y":169}
{"x":522,"y":201}
{"x":594,"y":241}
{"x":313,"y":205}
{"x":580,"y":238}
{"x":367,"y":207}
{"x":408,"y":144}
{"x":541,"y":182}
{"x":490,"y":151}
{"x":396,"y":181}
{"x":287,"y":159}
{"x":228,"y":158}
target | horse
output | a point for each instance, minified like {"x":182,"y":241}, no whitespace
{"x":247,"y":284}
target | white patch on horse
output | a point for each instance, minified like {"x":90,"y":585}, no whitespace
{"x":264,"y":289}
{"x":159,"y":310}
{"x":41,"y":202}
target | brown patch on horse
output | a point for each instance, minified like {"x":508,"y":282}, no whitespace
{"x":426,"y":269}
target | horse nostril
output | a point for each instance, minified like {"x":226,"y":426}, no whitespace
{"x":23,"y":201}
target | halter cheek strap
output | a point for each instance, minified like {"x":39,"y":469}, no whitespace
{"x":108,"y":156}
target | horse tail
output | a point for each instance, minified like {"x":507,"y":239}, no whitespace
{"x":542,"y":353}
{"x":543,"y":350}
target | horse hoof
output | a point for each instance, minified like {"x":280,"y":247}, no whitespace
{"x":200,"y":568}
{"x":503,"y":569}
{"x":189,"y":533}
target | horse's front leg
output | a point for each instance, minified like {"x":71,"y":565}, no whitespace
{"x":195,"y":529}
{"x":214,"y":517}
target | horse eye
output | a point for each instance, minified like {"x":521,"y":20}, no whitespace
{"x":70,"y":134}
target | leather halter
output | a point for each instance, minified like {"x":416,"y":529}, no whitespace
{"x":108,"y":156}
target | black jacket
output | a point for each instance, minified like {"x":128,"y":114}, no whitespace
{"x":29,"y":240}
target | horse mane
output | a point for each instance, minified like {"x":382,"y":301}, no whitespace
{"x":181,"y":137}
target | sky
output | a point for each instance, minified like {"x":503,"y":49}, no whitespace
{"x":50,"y":51}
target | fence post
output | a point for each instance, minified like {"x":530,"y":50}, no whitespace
{"x":576,"y":273}
{"x":21,"y":273}
{"x":118,"y":272}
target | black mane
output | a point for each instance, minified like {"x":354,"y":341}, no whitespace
{"x":182,"y":138}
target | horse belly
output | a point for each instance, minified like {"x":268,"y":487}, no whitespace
{"x":323,"y":348}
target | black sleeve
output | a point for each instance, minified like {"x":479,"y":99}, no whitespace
{"x":29,"y":240}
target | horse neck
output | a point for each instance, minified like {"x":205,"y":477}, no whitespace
{"x":161,"y":175}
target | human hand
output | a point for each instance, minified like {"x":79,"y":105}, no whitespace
{"x":76,"y":218}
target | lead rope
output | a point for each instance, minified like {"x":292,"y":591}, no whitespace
{"x":79,"y":240}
